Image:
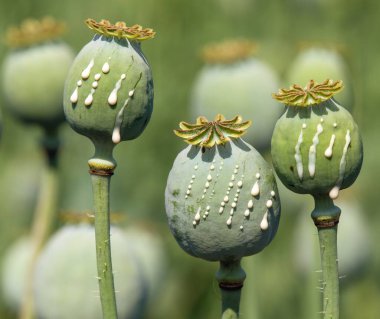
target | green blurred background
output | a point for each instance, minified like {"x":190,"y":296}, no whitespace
{"x":276,"y":289}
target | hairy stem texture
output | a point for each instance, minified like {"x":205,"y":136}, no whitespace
{"x":329,"y":261}
{"x":326,"y":217}
{"x":101,"y":186}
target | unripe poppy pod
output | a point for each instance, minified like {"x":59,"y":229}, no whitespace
{"x":319,"y":63}
{"x":109,"y":89}
{"x":221,"y":195}
{"x":316,"y":145}
{"x":233,"y":77}
{"x":34,"y":71}
{"x":65,"y":280}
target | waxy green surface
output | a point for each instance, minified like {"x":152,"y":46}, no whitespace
{"x":97,"y":120}
{"x":333,"y":119}
{"x":211,"y":173}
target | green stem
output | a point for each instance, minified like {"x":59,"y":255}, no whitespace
{"x":100,"y":186}
{"x":101,"y":170}
{"x":230,"y":277}
{"x":43,"y":219}
{"x":312,"y":292}
{"x":326,"y":218}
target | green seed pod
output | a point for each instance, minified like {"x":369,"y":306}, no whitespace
{"x":221,"y":196}
{"x":234,"y":79}
{"x":109,"y":89}
{"x":65,"y":283}
{"x":319,"y":64}
{"x":34,"y":72}
{"x":316,"y":145}
{"x":13,"y":272}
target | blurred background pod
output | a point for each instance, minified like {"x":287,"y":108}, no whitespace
{"x":109,"y":89}
{"x":65,"y":283}
{"x":316,"y":145}
{"x":14,"y":272}
{"x":221,"y":197}
{"x":233,"y":80}
{"x":148,"y":246}
{"x":145,"y":244}
{"x":34,"y":71}
{"x":318,"y":62}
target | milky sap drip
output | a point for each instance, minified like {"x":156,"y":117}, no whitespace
{"x":105,"y":68}
{"x":313,"y":151}
{"x":112,"y":99}
{"x":197,"y":217}
{"x":90,"y":98}
{"x":74,"y":95}
{"x":264,"y":222}
{"x":334,"y":193}
{"x":86,"y":72}
{"x":298,"y":156}
{"x":329,"y":150}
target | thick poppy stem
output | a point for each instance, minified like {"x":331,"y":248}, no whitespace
{"x":326,"y":218}
{"x":230,"y":277}
{"x":102,"y":166}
